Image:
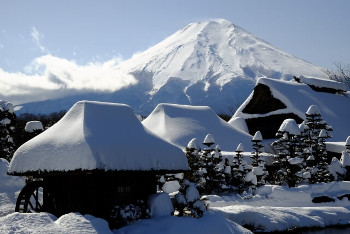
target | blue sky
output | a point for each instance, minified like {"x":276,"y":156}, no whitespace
{"x":88,"y":31}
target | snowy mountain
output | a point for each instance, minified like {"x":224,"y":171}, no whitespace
{"x":213,"y":63}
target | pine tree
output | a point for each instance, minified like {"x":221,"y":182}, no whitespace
{"x":7,"y":127}
{"x":317,"y":132}
{"x":289,"y":159}
{"x":196,"y":164}
{"x":258,"y":161}
{"x":212,"y":158}
{"x":238,"y":169}
{"x":206,"y":166}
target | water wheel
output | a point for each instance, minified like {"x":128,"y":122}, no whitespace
{"x":30,"y":199}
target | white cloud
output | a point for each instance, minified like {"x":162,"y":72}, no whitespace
{"x":52,"y":77}
{"x":37,"y":37}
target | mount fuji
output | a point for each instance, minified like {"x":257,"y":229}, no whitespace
{"x":213,"y":63}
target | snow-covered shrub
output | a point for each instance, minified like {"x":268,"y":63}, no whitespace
{"x":336,"y":169}
{"x":171,"y":186}
{"x":188,"y":201}
{"x":160,"y":205}
{"x":123,"y":215}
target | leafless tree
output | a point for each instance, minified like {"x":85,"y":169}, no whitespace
{"x":340,"y":74}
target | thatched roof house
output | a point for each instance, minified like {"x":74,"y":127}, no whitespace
{"x":273,"y":101}
{"x":96,"y":136}
{"x":97,"y":156}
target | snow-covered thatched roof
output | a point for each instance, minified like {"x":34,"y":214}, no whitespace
{"x":296,"y":98}
{"x":323,"y":83}
{"x":179,"y":124}
{"x":95,"y":135}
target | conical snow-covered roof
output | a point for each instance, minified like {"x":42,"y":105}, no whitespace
{"x":96,"y":135}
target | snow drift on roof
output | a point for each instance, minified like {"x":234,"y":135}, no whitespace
{"x":299,"y":97}
{"x":179,"y":124}
{"x":95,"y":135}
{"x":323,"y":83}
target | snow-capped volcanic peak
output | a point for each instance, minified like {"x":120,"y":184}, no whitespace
{"x":215,"y":48}
{"x":213,"y":63}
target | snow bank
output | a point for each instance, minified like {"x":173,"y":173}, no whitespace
{"x":179,"y":124}
{"x":47,"y":223}
{"x":9,"y":187}
{"x":279,"y":208}
{"x":299,"y":97}
{"x":269,"y":219}
{"x":96,"y":135}
{"x":160,"y":205}
{"x":208,"y":224}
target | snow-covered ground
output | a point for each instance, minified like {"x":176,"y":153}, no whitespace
{"x":277,"y":208}
{"x":272,"y":208}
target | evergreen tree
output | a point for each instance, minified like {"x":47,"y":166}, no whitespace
{"x":206,"y":166}
{"x":289,"y":159}
{"x":214,"y":169}
{"x":196,"y":164}
{"x":258,"y":162}
{"x":238,"y":169}
{"x":7,"y":127}
{"x":316,"y":133}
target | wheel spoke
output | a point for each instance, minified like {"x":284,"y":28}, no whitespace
{"x":30,"y":199}
{"x":31,"y":205}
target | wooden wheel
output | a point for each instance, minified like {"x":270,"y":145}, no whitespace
{"x":30,"y":199}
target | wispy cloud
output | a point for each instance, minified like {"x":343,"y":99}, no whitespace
{"x":51,"y":77}
{"x":37,"y":37}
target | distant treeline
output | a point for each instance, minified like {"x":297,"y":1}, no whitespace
{"x":46,"y":119}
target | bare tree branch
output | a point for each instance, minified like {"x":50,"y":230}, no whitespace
{"x":340,"y":74}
